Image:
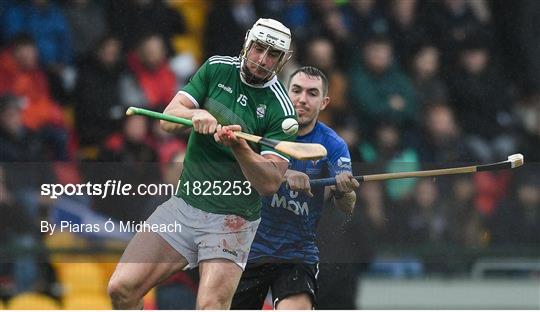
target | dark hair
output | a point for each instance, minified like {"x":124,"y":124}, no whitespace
{"x":311,"y":72}
{"x":22,"y":39}
{"x":378,"y":39}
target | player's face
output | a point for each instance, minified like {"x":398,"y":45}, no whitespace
{"x":306,"y":93}
{"x":262,"y":60}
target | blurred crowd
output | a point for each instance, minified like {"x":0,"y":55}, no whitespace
{"x":413,"y":85}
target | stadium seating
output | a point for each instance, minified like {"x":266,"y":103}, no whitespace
{"x":32,"y":301}
{"x":82,"y":279}
{"x":87,"y":302}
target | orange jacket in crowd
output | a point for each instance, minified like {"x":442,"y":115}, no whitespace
{"x":40,"y":109}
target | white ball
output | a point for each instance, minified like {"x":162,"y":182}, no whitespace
{"x":289,"y":126}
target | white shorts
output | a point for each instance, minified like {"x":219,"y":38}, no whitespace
{"x":205,"y":235}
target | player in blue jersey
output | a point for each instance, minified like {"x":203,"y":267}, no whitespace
{"x":284,"y":257}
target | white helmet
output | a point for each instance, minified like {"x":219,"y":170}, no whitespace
{"x":273,"y":35}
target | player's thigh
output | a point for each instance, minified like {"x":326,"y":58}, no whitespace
{"x":253,"y":288}
{"x":218,"y":280}
{"x":301,"y":301}
{"x":147,"y":260}
{"x":296,"y":285}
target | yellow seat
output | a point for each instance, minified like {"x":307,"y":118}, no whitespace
{"x":1,"y":305}
{"x":87,"y":302}
{"x":63,"y":240}
{"x":188,"y":44}
{"x":194,"y":13}
{"x":108,"y":269}
{"x":82,"y":279}
{"x":32,"y":301}
{"x":61,"y":243}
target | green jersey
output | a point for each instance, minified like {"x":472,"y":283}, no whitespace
{"x":212,"y":179}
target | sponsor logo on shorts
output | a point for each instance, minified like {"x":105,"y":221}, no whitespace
{"x":231,"y":252}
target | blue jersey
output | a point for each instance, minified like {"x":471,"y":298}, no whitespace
{"x":289,"y":219}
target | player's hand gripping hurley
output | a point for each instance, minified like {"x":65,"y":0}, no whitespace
{"x":513,"y":161}
{"x":301,"y":151}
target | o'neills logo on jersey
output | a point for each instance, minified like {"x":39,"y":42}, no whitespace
{"x":224,"y":87}
{"x":231,"y":252}
{"x":292,"y":205}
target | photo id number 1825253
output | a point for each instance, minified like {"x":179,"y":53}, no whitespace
{"x":217,"y":188}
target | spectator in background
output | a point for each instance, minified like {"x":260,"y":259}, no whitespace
{"x":98,"y":109}
{"x":365,"y":20}
{"x":88,"y":25}
{"x":132,"y":20}
{"x":441,"y":141}
{"x":517,"y":219}
{"x":449,"y":23}
{"x":238,"y":15}
{"x":133,"y":144}
{"x":329,"y":21}
{"x":466,"y":225}
{"x":388,"y":154}
{"x":132,"y":160}
{"x":20,"y":177}
{"x":321,"y":55}
{"x":23,"y":150}
{"x":422,"y":218}
{"x":21,"y":75}
{"x":527,"y":33}
{"x":166,"y":145}
{"x":424,"y":70}
{"x":405,"y":30}
{"x":297,"y":16}
{"x":379,"y":90}
{"x":47,"y":25}
{"x":17,"y":229}
{"x":372,"y":205}
{"x":335,"y":25}
{"x":151,"y":81}
{"x":528,"y":111}
{"x":477,"y":89}
{"x":19,"y":144}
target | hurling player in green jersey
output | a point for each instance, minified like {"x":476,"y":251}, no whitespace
{"x":218,"y":203}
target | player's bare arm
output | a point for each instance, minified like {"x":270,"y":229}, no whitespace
{"x":265,"y":173}
{"x":182,"y":106}
{"x":344,"y":192}
{"x":298,"y":181}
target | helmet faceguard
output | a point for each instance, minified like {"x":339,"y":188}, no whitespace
{"x":272,"y":36}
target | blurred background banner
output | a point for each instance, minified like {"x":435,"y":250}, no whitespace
{"x":414,"y":85}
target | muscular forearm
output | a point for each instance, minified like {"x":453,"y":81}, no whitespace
{"x":264,"y":174}
{"x":177,"y":108}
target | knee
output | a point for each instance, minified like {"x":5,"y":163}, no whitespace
{"x":120,"y":291}
{"x":215,"y":302}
